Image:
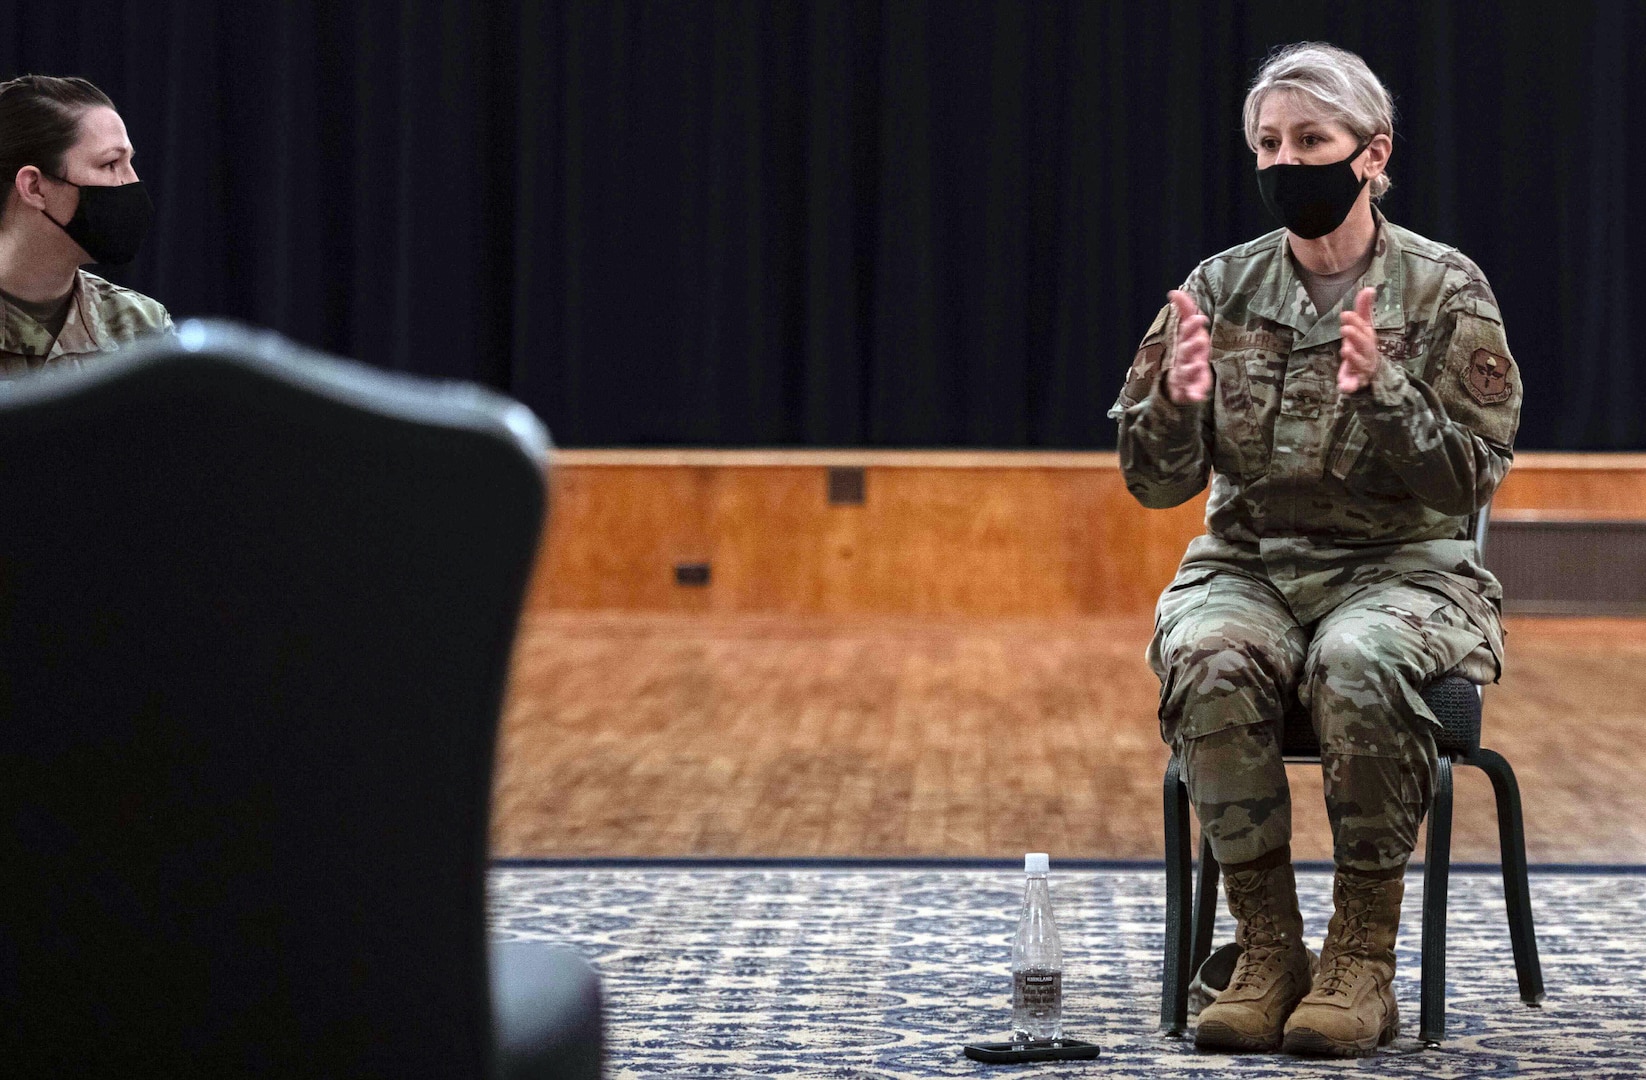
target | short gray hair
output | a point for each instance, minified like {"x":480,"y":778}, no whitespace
{"x":1337,"y":80}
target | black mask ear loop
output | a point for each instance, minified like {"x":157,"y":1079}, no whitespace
{"x":1361,"y":149}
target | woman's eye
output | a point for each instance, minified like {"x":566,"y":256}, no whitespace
{"x":1269,"y":144}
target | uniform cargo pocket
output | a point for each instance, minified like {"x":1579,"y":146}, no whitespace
{"x":1184,"y":595}
{"x":1181,"y":597}
{"x":1349,"y":447}
{"x":1242,"y":379}
{"x":1360,"y":467}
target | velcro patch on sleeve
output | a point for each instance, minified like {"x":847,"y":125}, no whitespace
{"x":1481,"y":384}
{"x":1487,"y":377}
{"x":1145,"y":369}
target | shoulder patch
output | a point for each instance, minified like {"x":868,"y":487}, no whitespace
{"x":1487,"y":377}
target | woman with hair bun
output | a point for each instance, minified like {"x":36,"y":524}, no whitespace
{"x":72,"y":198}
{"x":1346,"y":385}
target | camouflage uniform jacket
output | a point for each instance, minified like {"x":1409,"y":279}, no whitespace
{"x":1318,"y":493}
{"x":102,"y":317}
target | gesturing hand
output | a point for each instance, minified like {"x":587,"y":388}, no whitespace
{"x":1190,"y":376}
{"x":1360,"y":355}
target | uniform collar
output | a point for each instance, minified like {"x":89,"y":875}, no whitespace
{"x":83,"y":330}
{"x":1280,"y":296}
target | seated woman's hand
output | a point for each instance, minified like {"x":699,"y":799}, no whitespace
{"x":1190,"y":377}
{"x":1359,"y":350}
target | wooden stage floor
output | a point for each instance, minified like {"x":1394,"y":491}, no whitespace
{"x":671,"y":735}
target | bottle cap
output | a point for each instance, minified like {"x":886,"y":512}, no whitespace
{"x":1036,"y":862}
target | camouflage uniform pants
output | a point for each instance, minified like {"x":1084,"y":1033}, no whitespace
{"x":1232,"y":660}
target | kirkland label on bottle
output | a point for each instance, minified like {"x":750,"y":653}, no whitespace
{"x":1037,"y":990}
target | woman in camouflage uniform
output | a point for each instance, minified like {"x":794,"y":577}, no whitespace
{"x":1347,"y":386}
{"x":72,"y":198}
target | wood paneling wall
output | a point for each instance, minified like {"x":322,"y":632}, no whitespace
{"x":1567,"y":487}
{"x":939,"y":533}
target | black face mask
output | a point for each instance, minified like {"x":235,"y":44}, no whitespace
{"x":1311,"y":200}
{"x":110,"y":222}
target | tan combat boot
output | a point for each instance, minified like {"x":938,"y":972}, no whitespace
{"x":1350,"y":1011}
{"x":1273,"y":970}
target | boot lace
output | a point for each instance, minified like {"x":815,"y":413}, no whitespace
{"x":1260,"y":934}
{"x":1350,"y":941}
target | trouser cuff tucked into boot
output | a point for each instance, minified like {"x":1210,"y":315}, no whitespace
{"x":1350,"y":1010}
{"x":1272,"y":973}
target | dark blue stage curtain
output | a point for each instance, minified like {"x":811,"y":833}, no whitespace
{"x":769,"y":223}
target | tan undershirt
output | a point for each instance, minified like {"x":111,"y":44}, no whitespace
{"x":1326,"y":291}
{"x":51,"y":315}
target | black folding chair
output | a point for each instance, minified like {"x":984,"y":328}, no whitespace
{"x":1456,"y":704}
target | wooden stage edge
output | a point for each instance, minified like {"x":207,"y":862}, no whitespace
{"x":941,"y":532}
{"x":970,"y":459}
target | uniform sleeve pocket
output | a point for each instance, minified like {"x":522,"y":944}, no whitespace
{"x":1147,"y":363}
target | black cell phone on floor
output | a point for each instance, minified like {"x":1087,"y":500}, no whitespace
{"x":1009,"y":1053}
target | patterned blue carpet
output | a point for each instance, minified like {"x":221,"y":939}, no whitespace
{"x":855,"y":972}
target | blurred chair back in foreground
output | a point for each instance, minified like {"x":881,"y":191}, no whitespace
{"x":256,"y":612}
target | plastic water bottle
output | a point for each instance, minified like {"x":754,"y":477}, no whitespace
{"x":1037,"y":959}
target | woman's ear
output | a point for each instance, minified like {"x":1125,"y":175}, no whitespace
{"x":1376,"y":157}
{"x":28,"y":187}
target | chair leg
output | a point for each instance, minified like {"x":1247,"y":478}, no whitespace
{"x":1205,"y":906}
{"x":1517,"y":895}
{"x":1436,"y":871}
{"x":1175,"y":972}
